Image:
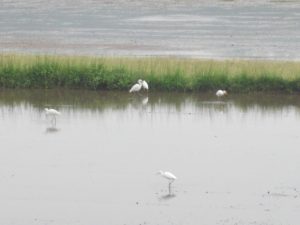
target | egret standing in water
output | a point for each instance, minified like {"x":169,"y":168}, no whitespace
{"x":145,"y":85}
{"x":221,"y":93}
{"x":53,"y":113}
{"x":138,"y":86}
{"x":169,"y":176}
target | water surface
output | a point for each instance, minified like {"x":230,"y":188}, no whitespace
{"x":236,"y":159}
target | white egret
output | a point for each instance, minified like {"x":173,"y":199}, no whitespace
{"x":221,"y":93}
{"x":168,"y":175}
{"x":145,"y":85}
{"x":139,"y":85}
{"x":136,"y":87}
{"x":53,"y":113}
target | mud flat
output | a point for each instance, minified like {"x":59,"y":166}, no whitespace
{"x":201,"y":29}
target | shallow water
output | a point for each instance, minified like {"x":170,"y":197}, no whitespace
{"x":259,"y":29}
{"x":236,"y":159}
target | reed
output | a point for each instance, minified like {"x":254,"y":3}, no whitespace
{"x":170,"y":74}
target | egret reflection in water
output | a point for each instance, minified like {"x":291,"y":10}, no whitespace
{"x":52,"y":129}
{"x":167,"y":196}
{"x":145,"y":100}
{"x":139,"y":100}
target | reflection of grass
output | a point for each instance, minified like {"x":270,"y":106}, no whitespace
{"x":26,"y":71}
{"x":101,"y":101}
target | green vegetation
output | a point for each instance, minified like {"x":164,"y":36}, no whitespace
{"x":171,"y":74}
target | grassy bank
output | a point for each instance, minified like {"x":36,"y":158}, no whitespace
{"x":171,"y":74}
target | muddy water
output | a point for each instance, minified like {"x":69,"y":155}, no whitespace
{"x":236,"y":159}
{"x":259,"y":29}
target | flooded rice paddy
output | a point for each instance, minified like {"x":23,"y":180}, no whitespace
{"x":256,"y":29}
{"x":236,"y":158}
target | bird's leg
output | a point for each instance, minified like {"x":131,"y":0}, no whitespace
{"x":53,"y":120}
{"x":170,"y":190}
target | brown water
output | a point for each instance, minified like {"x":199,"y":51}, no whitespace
{"x":259,"y":29}
{"x":236,"y":159}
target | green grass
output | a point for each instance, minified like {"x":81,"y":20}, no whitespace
{"x":170,"y":74}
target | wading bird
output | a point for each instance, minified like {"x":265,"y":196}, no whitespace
{"x":138,"y":86}
{"x":221,"y":93}
{"x":169,"y":176}
{"x":53,"y":113}
{"x":145,"y":85}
